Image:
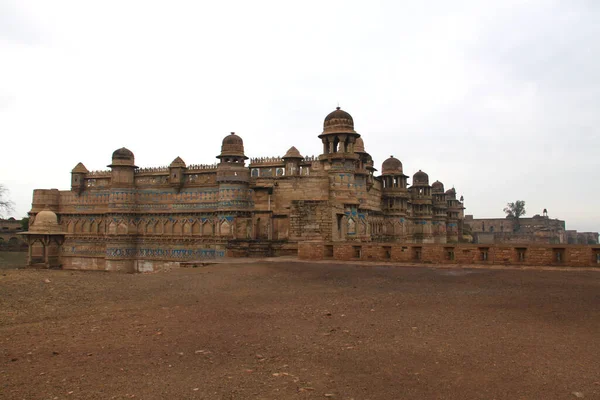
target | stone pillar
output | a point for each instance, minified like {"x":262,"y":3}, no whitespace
{"x":29,"y":251}
{"x":46,"y":251}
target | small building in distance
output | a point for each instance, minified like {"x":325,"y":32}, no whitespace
{"x":574,"y":237}
{"x":537,"y":229}
{"x":9,"y":240}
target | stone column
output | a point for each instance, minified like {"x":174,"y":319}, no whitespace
{"x":46,"y":251}
{"x":29,"y":250}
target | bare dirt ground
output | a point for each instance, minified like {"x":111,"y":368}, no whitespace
{"x":285,"y":330}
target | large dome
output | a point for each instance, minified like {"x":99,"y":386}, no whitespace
{"x":420,"y":178}
{"x":338,"y":121}
{"x":232,"y":146}
{"x":122,"y":156}
{"x":391,"y":166}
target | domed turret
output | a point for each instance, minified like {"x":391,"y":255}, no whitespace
{"x":80,"y":169}
{"x":177,"y":163}
{"x":78,"y":178}
{"x":338,"y":121}
{"x":232,"y":146}
{"x":420,"y":178}
{"x":122,"y":169}
{"x":124,"y":157}
{"x":339,"y":137}
{"x":437,"y":187}
{"x":451,"y":193}
{"x":359,"y":146}
{"x":292,"y":159}
{"x":391,"y":166}
{"x":292,"y":153}
{"x":176,"y":173}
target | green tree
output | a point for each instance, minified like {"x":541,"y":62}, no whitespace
{"x":6,"y":205}
{"x":515,"y":211}
{"x":25,"y":223}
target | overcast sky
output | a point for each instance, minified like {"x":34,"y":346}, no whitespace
{"x":500,"y":99}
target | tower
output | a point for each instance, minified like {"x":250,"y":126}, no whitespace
{"x":177,"y":173}
{"x":422,"y":209}
{"x":122,"y":169}
{"x":121,"y":248}
{"x":292,"y":160}
{"x":440,"y":209}
{"x":394,"y":199}
{"x":340,"y":161}
{"x":454,"y":211}
{"x":234,"y":200}
{"x":78,"y":178}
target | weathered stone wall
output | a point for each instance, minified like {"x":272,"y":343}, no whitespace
{"x":310,"y":219}
{"x":136,"y":254}
{"x":538,"y":229}
{"x":523,"y":254}
{"x":9,"y":238}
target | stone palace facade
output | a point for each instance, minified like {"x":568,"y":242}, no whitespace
{"x":142,"y":219}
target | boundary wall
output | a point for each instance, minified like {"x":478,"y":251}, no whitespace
{"x":504,"y":254}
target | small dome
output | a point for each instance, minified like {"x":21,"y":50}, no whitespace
{"x":79,"y":169}
{"x":177,"y":163}
{"x":232,"y":146}
{"x":420,"y":178}
{"x":123,"y":156}
{"x":391,"y":166}
{"x":359,"y":146}
{"x":437,"y":187}
{"x":46,"y":222}
{"x":338,"y":121}
{"x":292,"y":153}
{"x":45,"y":217}
{"x":451,"y":193}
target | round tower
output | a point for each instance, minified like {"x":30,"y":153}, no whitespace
{"x":422,"y":208}
{"x":121,"y":228}
{"x":339,"y":160}
{"x":455,"y":216}
{"x":394,"y":198}
{"x":122,"y":169}
{"x":234,"y":195}
{"x":439,"y":212}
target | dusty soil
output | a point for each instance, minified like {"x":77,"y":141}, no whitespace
{"x":298,"y":331}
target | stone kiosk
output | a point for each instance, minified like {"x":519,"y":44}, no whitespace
{"x":45,"y":237}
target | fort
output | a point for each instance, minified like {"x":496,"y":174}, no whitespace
{"x":136,"y":219}
{"x":538,"y":229}
{"x":9,"y":238}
